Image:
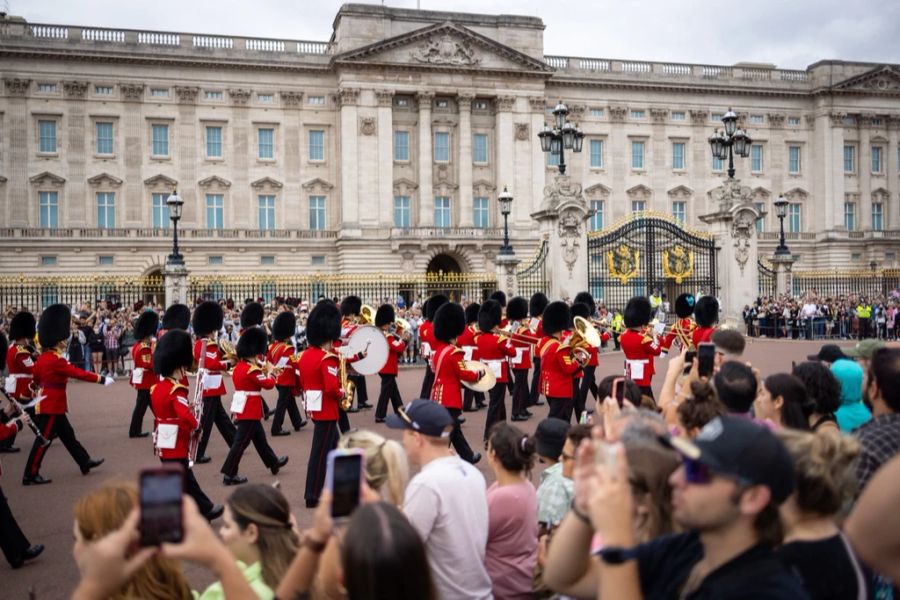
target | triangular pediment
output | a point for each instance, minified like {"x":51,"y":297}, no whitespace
{"x":161,"y":180}
{"x":443,"y":46}
{"x":638,"y":191}
{"x":403,"y":182}
{"x":214,"y":180}
{"x":47,"y":177}
{"x":681,"y":190}
{"x":880,"y":80}
{"x":598,"y":189}
{"x":317,"y":183}
{"x":105,"y":179}
{"x":267,"y":181}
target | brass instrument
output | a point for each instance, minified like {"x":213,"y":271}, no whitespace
{"x":348,"y":387}
{"x":400,"y":328}
{"x":197,"y":410}
{"x":366,"y":315}
{"x":228,"y":350}
{"x":600,"y":324}
{"x":583,"y":336}
{"x":514,"y":331}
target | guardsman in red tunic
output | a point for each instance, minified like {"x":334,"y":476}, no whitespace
{"x":249,"y":381}
{"x":174,"y":420}
{"x":466,"y":341}
{"x":559,"y":362}
{"x":584,"y":307}
{"x":207,"y":321}
{"x":449,"y":370}
{"x":252,"y":315}
{"x":682,"y":330}
{"x":494,"y":350}
{"x":51,"y":374}
{"x":536,"y":307}
{"x":322,"y":392}
{"x":351,"y":309}
{"x":706,"y":313}
{"x":639,"y":344}
{"x":385,"y":320}
{"x":427,"y":342}
{"x":524,"y":342}
{"x":177,"y":316}
{"x":283,"y":355}
{"x":20,"y":359}
{"x":142,"y":375}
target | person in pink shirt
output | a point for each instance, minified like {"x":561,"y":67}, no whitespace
{"x":512,"y":543}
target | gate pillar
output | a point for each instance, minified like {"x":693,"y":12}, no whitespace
{"x":176,"y":283}
{"x":734,"y":227}
{"x":784,"y":283}
{"x":562,"y":217}
{"x":507,"y":282}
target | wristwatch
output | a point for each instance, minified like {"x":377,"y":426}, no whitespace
{"x":616,"y":555}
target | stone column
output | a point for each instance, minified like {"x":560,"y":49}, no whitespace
{"x":538,"y":170}
{"x":426,"y":160}
{"x":133,"y":149}
{"x":864,"y":171}
{"x":175,"y":278}
{"x":784,"y":282}
{"x":385,"y":173}
{"x":507,"y":282}
{"x":892,"y":210}
{"x":240,"y":202}
{"x":18,"y":154}
{"x":290,"y":197}
{"x":464,"y":100}
{"x":562,"y":217}
{"x":504,"y":142}
{"x":734,"y":226}
{"x":79,"y":199}
{"x":349,"y":155}
{"x":183,"y":141}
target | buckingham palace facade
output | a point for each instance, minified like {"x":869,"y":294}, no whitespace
{"x":385,"y":147}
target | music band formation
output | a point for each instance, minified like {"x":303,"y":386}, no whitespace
{"x":474,"y":356}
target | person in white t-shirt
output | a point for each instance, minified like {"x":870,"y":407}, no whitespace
{"x":446,"y":502}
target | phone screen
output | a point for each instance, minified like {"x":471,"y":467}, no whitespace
{"x":706,"y":355}
{"x":689,"y":357}
{"x":160,"y":495}
{"x":619,"y":391}
{"x":346,"y":470}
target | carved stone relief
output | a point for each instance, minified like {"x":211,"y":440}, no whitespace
{"x":75,"y":89}
{"x":239,"y":96}
{"x":17,"y":87}
{"x":367,"y":125}
{"x":659,"y":115}
{"x":617,"y":113}
{"x":348,"y":96}
{"x":445,"y":50}
{"x":134,"y":91}
{"x":570,"y":237}
{"x":776,"y":119}
{"x":506,"y":103}
{"x":522,"y":131}
{"x":742,"y":229}
{"x":292,"y":99}
{"x":186,"y":94}
{"x":384,"y":97}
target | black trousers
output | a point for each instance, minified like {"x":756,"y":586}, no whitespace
{"x":496,"y":407}
{"x":286,"y":403}
{"x":389,"y":391}
{"x":191,"y":485}
{"x":214,"y":412}
{"x":52,"y":427}
{"x":362,"y":393}
{"x":7,"y":442}
{"x":343,"y":421}
{"x":469,"y":396}
{"x":12,"y":541}
{"x":589,"y":384}
{"x":646,"y":390}
{"x":248,"y":431}
{"x":534,"y":394}
{"x":325,"y":439}
{"x":520,"y":391}
{"x":141,"y":404}
{"x":560,"y":408}
{"x":864,"y":328}
{"x":428,"y":382}
{"x":458,"y":439}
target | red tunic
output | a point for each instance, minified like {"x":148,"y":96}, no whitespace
{"x":320,"y":372}
{"x":523,"y":348}
{"x":52,"y":373}
{"x":20,"y":361}
{"x":682,"y":331}
{"x":427,"y":341}
{"x":494,"y":349}
{"x":396,"y":347}
{"x":277,"y":352}
{"x":250,"y":380}
{"x":449,"y":370}
{"x":466,"y":341}
{"x":558,"y":368}
{"x":169,"y":402}
{"x":702,"y":334}
{"x":639,"y":350}
{"x":142,"y":355}
{"x":214,"y":363}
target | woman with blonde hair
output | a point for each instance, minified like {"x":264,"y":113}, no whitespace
{"x":103,"y":511}
{"x":387,"y":468}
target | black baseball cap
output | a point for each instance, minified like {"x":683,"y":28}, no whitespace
{"x":550,"y":437}
{"x":425,"y":416}
{"x":828,"y":353}
{"x":737,"y":447}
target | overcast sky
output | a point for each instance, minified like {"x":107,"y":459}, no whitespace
{"x":790,"y":34}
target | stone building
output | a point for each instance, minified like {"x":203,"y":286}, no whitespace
{"x":385,"y":147}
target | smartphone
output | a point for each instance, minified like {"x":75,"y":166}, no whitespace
{"x":706,"y":355}
{"x":618,"y":389}
{"x":689,"y":357}
{"x":160,"y":497}
{"x":344,"y":479}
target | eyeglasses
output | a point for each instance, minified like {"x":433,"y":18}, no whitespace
{"x":695,"y":472}
{"x":565,"y":456}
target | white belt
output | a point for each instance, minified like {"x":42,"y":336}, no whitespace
{"x":21,"y":375}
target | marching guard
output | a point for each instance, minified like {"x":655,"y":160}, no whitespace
{"x":494,"y":349}
{"x":639,"y":344}
{"x":283,"y":355}
{"x":523,"y":341}
{"x":207,"y":321}
{"x":51,"y":373}
{"x":536,"y":306}
{"x":142,"y":374}
{"x":351,"y":308}
{"x":683,"y":328}
{"x":427,"y":341}
{"x":706,"y":313}
{"x":177,"y":316}
{"x":385,"y":320}
{"x":559,"y":362}
{"x":466,"y":341}
{"x":175,"y":421}
{"x":252,"y":315}
{"x":20,"y":359}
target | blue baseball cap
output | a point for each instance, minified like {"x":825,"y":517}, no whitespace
{"x":424,"y":416}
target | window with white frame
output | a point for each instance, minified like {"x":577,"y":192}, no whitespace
{"x":480,"y":148}
{"x":104,"y":131}
{"x":850,"y":215}
{"x":552,"y":159}
{"x":160,"y":140}
{"x":596,"y":112}
{"x":442,"y":146}
{"x":849,"y":159}
{"x":265,"y":143}
{"x":679,"y":210}
{"x":793,"y":120}
{"x":159,"y":93}
{"x":106,"y":210}
{"x":638,"y":205}
{"x":794,"y":213}
{"x":480,"y":213}
{"x":877,"y":216}
{"x":678,"y":155}
{"x":214,"y":141}
{"x":215,"y":211}
{"x":401,"y":146}
{"x":756,"y":158}
{"x":761,"y":221}
{"x":401,"y":101}
{"x":266,"y":211}
{"x":48,"y":206}
{"x":596,"y":148}
{"x":267,"y":259}
{"x":315,"y":100}
{"x":402,"y":212}
{"x":105,"y":260}
{"x":265,"y":98}
{"x":215,"y":259}
{"x":757,"y":119}
{"x":442,"y":216}
{"x":47,"y":136}
{"x":214,"y":95}
{"x":637,"y":114}
{"x":794,"y":159}
{"x":717,"y":163}
{"x":46,"y":88}
{"x":317,"y":213}
{"x":316,"y":145}
{"x":877,"y":163}
{"x":678,"y":115}
{"x":103,"y":90}
{"x":716,"y":116}
{"x":160,"y":211}
{"x":48,"y":261}
{"x":596,"y":221}
{"x":637,"y":155}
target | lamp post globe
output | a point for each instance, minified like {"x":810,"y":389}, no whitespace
{"x":562,"y":136}
{"x":781,"y":206}
{"x":175,"y":204}
{"x":505,"y":199}
{"x":725,"y":144}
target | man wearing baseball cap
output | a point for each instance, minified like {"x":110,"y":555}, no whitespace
{"x":726,"y":494}
{"x":446,"y":502}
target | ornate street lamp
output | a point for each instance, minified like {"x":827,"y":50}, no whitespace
{"x":174,"y":202}
{"x":874,"y":266}
{"x":562,"y":136}
{"x":781,"y":211}
{"x":730,"y":142}
{"x":505,"y":199}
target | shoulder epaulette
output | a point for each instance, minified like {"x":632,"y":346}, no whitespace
{"x":176,"y":385}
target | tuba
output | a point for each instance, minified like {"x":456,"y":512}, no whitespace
{"x":366,"y":315}
{"x":583,"y":336}
{"x":347,"y":386}
{"x":227,"y":349}
{"x":400,"y":328}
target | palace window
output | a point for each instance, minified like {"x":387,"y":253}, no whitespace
{"x":401,"y":212}
{"x":215,"y":211}
{"x":47,"y":136}
{"x":48,"y":261}
{"x":160,"y":145}
{"x":46,"y":88}
{"x":442,"y":146}
{"x":756,"y":158}
{"x":877,"y":216}
{"x":794,"y":223}
{"x":315,"y":100}
{"x":214,"y":142}
{"x":103,"y":90}
{"x":850,"y":215}
{"x":552,"y":159}
{"x":480,"y":211}
{"x":266,"y":211}
{"x":596,"y":222}
{"x":480,"y":148}
{"x":760,"y":222}
{"x":679,"y":115}
{"x":317,"y":213}
{"x":159,"y":93}
{"x":160,"y":211}
{"x":596,"y":154}
{"x":717,"y":163}
{"x":678,"y":210}
{"x":267,"y":259}
{"x":877,"y":166}
{"x":637,"y":114}
{"x":794,"y":159}
{"x":849,"y":159}
{"x":214,"y":95}
{"x":401,"y":146}
{"x":215,"y":260}
{"x":678,"y":155}
{"x":757,"y":119}
{"x":105,"y":260}
{"x":637,"y":155}
{"x":442,"y":211}
{"x":266,"y":143}
{"x":106,"y":210}
{"x":48,"y":204}
{"x":638,"y":205}
{"x":793,"y":120}
{"x":104,"y":137}
{"x":317,"y":145}
{"x":266,"y":98}
{"x":596,"y":112}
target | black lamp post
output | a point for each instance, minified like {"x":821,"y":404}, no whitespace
{"x":732,"y":141}
{"x":174,"y":202}
{"x":874,"y":266}
{"x":562,"y":136}
{"x":505,"y":199}
{"x":781,"y":210}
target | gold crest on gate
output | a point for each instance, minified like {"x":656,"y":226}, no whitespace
{"x":623,"y":262}
{"x":678,"y":263}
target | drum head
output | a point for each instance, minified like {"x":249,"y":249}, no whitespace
{"x":485,"y":383}
{"x":371,"y":340}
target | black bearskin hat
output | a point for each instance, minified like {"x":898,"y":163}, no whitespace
{"x":146,"y":324}
{"x":433,"y":304}
{"x":4,"y":346}
{"x":208,"y":317}
{"x":684,"y":305}
{"x":586,"y":298}
{"x":472,"y":313}
{"x":500,"y":297}
{"x":252,"y":342}
{"x":537,"y":304}
{"x":173,"y":351}
{"x":449,"y":321}
{"x":177,"y":316}
{"x":517,"y":309}
{"x":385,"y":315}
{"x":637,"y":312}
{"x":252,"y":315}
{"x":351,"y":305}
{"x":324,"y":323}
{"x":706,"y":311}
{"x":556,"y":317}
{"x":580,"y":309}
{"x":22,"y":325}
{"x":489,"y":316}
{"x":284,"y":326}
{"x":55,"y":325}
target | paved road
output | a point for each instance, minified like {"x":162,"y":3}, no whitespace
{"x":100,"y":416}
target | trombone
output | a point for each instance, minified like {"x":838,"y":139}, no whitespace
{"x":519,"y":336}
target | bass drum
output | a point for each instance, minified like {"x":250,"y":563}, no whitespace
{"x":368,"y":339}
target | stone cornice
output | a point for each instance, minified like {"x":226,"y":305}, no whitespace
{"x":348,"y":96}
{"x":385,"y":98}
{"x":672,"y":87}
